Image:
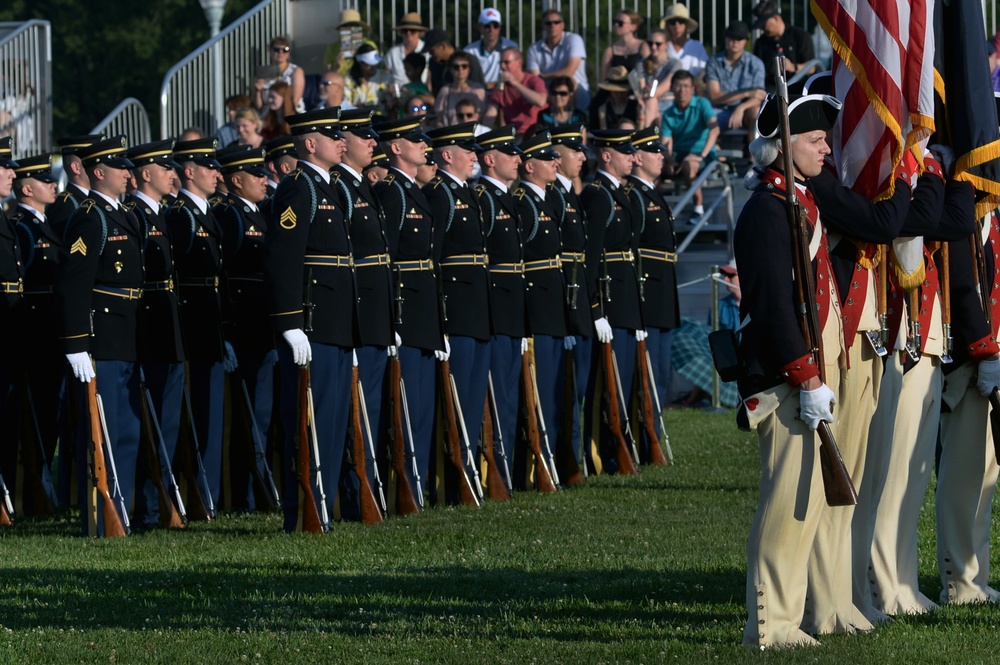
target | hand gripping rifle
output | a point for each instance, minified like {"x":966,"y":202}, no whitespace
{"x":647,"y":409}
{"x":372,"y":505}
{"x":836,"y":480}
{"x":406,"y":502}
{"x":312,"y":513}
{"x":626,"y":466}
{"x":171,"y":505}
{"x":452,"y":437}
{"x":114,"y":525}
{"x":543,"y":477}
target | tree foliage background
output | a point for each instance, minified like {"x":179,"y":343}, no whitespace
{"x":106,"y":50}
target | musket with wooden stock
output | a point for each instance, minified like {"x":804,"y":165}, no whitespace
{"x":979,"y":277}
{"x":452,"y":438}
{"x":114,"y":524}
{"x":492,"y":413}
{"x":836,"y":480}
{"x":34,"y":473}
{"x":6,"y":506}
{"x":647,"y":410}
{"x":543,"y":477}
{"x":496,"y":489}
{"x":617,"y":420}
{"x":406,"y":502}
{"x":171,"y":505}
{"x":200,"y":506}
{"x":312,"y":513}
{"x":265,"y":491}
{"x":371,"y":510}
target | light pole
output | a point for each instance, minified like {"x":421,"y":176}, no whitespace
{"x":213,"y":14}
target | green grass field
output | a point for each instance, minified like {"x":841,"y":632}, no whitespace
{"x":625,"y":570}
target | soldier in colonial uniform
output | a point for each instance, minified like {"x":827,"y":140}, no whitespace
{"x":537,"y":212}
{"x":243,"y":227}
{"x":196,"y":241}
{"x":310,"y":284}
{"x":464,"y":281}
{"x":78,"y":187}
{"x":656,"y":260}
{"x":161,"y":349}
{"x":567,"y":141}
{"x":409,"y":226}
{"x":98,"y":286}
{"x":499,"y":158}
{"x":12,"y":287}
{"x":610,"y":257}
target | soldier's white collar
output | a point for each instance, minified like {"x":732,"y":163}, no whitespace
{"x":40,"y":215}
{"x":155,"y":205}
{"x":79,"y":189}
{"x":502,"y":187}
{"x":114,"y":202}
{"x":615,"y":182}
{"x":535,"y":188}
{"x":566,"y":182}
{"x":322,"y":172}
{"x":408,"y":177}
{"x":644,"y":181}
{"x":461,"y":183}
{"x":253,"y":206}
{"x":354,"y":173}
{"x":198,"y":201}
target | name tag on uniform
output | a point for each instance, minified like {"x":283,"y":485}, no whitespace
{"x":114,"y":238}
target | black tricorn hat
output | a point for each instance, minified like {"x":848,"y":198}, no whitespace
{"x":805,"y":114}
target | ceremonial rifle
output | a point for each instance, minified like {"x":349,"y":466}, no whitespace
{"x":35,"y":462}
{"x":541,"y":425}
{"x":171,"y":506}
{"x":470,"y":460}
{"x":495,"y":487}
{"x":307,"y":461}
{"x":114,"y":525}
{"x":467,"y":495}
{"x":6,"y":507}
{"x":647,"y":409}
{"x":946,"y":302}
{"x":406,"y":503}
{"x":979,"y":277}
{"x":836,"y":480}
{"x":199,"y":495}
{"x":418,"y":491}
{"x":371,"y":511}
{"x":543,"y":477}
{"x":623,"y":455}
{"x":260,"y":471}
{"x":494,"y":413}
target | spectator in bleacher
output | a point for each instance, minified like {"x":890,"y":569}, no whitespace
{"x":332,"y":88}
{"x":560,"y":53}
{"x":279,"y":107}
{"x":620,"y":104}
{"x":367,"y":82}
{"x":191,"y":134}
{"x":248,"y":127}
{"x":734,"y":81}
{"x":658,"y":68}
{"x":680,"y":45}
{"x":628,"y":51}
{"x":411,"y":30}
{"x":288,"y":72}
{"x":460,"y":88}
{"x":994,"y":60}
{"x":338,"y":58}
{"x":778,"y":36}
{"x":518,"y":97}
{"x":418,"y":106}
{"x":227,"y":133}
{"x":562,"y":108}
{"x":438,"y":45}
{"x":690,"y":131}
{"x":491,"y":44}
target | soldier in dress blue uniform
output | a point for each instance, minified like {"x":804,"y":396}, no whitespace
{"x":35,"y":188}
{"x":243,"y":227}
{"x":374,"y":280}
{"x":610,"y":256}
{"x":499,"y":157}
{"x":280,"y":161}
{"x":538,"y":216}
{"x":309,"y":279}
{"x":98,"y":286}
{"x":464,"y":281}
{"x":12,"y":287}
{"x":567,"y":141}
{"x":161,"y":348}
{"x":196,"y":241}
{"x":378,"y":168}
{"x":409,"y":226}
{"x":656,"y":261}
{"x":78,"y":187}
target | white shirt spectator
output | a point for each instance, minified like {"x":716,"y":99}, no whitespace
{"x":542,"y":59}
{"x":394,"y":63}
{"x":490,"y":62}
{"x":692,"y":55}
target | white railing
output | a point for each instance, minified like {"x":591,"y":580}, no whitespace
{"x":128,"y":118}
{"x":26,"y":85}
{"x":194,"y":90}
{"x":724,"y":198}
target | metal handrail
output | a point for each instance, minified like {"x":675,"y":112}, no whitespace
{"x":807,"y":67}
{"x":26,"y":85}
{"x":725,"y":196}
{"x":128,"y":118}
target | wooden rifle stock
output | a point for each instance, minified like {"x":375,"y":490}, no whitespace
{"x":309,"y":518}
{"x":371,"y":513}
{"x":114,"y":526}
{"x":647,"y":410}
{"x":626,"y":466}
{"x":6,"y":508}
{"x":466,"y":493}
{"x":406,"y":504}
{"x":543,"y":479}
{"x":837,"y":483}
{"x":946,"y":301}
{"x":495,"y":487}
{"x":171,"y":514}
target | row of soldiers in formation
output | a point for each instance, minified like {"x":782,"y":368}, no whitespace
{"x":906,"y":295}
{"x":374,"y":317}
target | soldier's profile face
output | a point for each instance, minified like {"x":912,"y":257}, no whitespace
{"x":808,"y":152}
{"x":6,"y":181}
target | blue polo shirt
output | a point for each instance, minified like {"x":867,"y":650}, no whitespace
{"x":689,"y":128}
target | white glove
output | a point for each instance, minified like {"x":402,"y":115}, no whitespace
{"x":524,"y":345}
{"x":399,"y":340}
{"x":816,"y":405}
{"x":229,"y":362}
{"x":569,"y":341}
{"x":603,"y":329}
{"x":444,"y":355}
{"x":641,"y":335}
{"x":393,"y":349}
{"x":302,"y":351}
{"x":989,"y":377}
{"x":354,"y":358}
{"x":83,"y":366}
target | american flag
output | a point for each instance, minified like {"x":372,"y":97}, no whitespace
{"x":883,"y":72}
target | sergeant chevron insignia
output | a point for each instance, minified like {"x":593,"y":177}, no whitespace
{"x":288,"y":219}
{"x":79,"y":246}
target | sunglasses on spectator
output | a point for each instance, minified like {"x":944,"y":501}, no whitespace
{"x":675,"y":21}
{"x":408,"y":31}
{"x":416,"y":109}
{"x":652,"y":43}
{"x":560,"y":93}
{"x":460,"y":65}
{"x":493,"y":25}
{"x":466,"y":116}
{"x":619,"y":22}
{"x":281,"y":49}
{"x":554,"y":22}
